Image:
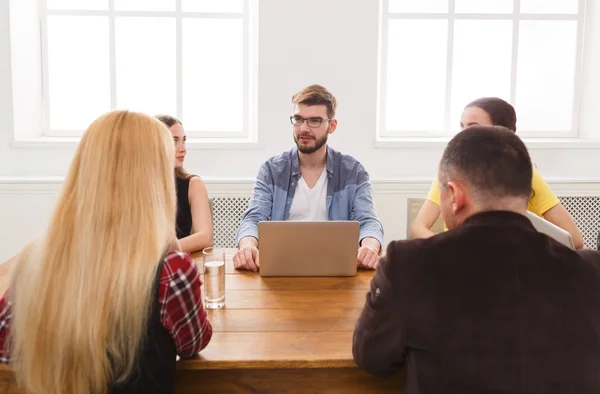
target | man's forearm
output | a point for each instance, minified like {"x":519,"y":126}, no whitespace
{"x":371,"y":228}
{"x":248,"y":241}
{"x":371,"y":243}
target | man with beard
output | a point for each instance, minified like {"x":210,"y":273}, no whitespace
{"x":311,"y":182}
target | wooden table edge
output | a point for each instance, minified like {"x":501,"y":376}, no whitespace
{"x":200,"y":364}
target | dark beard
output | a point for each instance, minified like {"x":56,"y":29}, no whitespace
{"x":318,"y":144}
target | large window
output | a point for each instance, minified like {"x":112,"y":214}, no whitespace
{"x":437,"y":55}
{"x":188,"y":58}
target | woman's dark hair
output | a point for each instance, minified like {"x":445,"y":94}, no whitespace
{"x":168,"y":120}
{"x":500,"y":112}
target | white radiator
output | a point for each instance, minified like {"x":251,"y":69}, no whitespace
{"x":227,"y":213}
{"x":586,"y":212}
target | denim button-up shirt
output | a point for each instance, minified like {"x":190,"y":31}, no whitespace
{"x":348,"y":193}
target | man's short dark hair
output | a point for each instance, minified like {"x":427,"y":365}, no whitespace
{"x":491,"y":159}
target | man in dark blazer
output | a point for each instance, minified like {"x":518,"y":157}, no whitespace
{"x":491,"y":306}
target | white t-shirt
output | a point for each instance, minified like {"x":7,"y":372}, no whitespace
{"x":310,"y":204}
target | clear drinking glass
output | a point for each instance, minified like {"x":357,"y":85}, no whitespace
{"x":214,"y":278}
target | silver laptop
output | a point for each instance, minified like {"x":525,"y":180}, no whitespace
{"x":551,"y":230}
{"x":300,"y":248}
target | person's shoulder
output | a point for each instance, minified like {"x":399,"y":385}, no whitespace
{"x":539,"y":185}
{"x":405,"y":244}
{"x":277,"y":163}
{"x":542,"y":198}
{"x":536,"y":177}
{"x":176,"y":262}
{"x":343,"y":158}
{"x":196,"y":182}
{"x":274,"y":167}
{"x":348,"y":167}
{"x":590,"y":256}
{"x":422,"y":249}
{"x":406,"y":250}
{"x":586,"y":267}
{"x":195,"y":178}
{"x":278,"y":160}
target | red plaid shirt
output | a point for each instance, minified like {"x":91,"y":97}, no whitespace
{"x":181,"y":309}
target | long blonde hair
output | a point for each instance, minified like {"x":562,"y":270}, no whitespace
{"x":82,"y":293}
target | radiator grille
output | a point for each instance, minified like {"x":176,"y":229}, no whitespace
{"x":228,"y":211}
{"x":586,"y":212}
{"x":227,"y":214}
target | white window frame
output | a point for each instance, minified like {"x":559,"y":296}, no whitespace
{"x":31,"y":105}
{"x":384,"y":135}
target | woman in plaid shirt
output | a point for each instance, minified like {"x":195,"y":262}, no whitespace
{"x":101,"y":303}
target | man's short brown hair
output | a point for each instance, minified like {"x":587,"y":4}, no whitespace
{"x":316,"y":95}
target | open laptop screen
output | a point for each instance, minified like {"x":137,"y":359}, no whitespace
{"x":551,"y":230}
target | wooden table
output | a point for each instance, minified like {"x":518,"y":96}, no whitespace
{"x":277,"y":335}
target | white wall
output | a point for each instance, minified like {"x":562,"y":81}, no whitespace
{"x":345,"y":35}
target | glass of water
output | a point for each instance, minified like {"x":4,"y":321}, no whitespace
{"x":214,"y":278}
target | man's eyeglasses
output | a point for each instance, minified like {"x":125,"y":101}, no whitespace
{"x":313,"y":123}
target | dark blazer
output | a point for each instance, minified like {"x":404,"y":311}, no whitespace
{"x":490,"y":307}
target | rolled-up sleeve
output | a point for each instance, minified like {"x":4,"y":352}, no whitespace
{"x":260,"y":206}
{"x":363,"y":209}
{"x":378,"y":345}
{"x":181,"y":309}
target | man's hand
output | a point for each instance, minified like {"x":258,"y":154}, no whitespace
{"x":368,"y":253}
{"x":247,"y":256}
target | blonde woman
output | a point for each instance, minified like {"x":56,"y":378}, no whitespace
{"x":99,"y":304}
{"x":194,"y":219}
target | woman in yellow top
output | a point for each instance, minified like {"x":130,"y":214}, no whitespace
{"x":493,"y":111}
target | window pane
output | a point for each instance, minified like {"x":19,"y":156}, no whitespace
{"x":213,"y":67}
{"x":481,"y":63}
{"x":484,"y":7}
{"x":145,"y":64}
{"x":77,"y":4}
{"x":416,"y":78}
{"x":426,"y":6}
{"x":549,"y":6}
{"x":545,"y":75}
{"x":78,"y":70}
{"x":145,"y":5}
{"x":212,"y":5}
